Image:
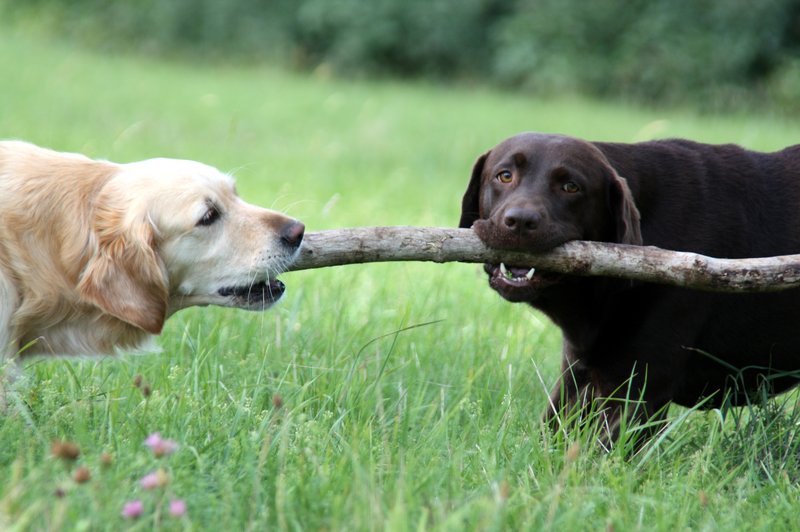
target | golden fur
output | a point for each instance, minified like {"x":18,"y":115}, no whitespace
{"x":95,"y":256}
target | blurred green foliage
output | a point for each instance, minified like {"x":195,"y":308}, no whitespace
{"x":719,"y":55}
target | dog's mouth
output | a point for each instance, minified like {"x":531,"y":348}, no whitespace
{"x":518,"y":283}
{"x":255,"y":296}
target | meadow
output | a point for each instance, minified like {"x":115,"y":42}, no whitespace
{"x":373,"y":397}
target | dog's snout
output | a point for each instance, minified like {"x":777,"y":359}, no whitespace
{"x":292,"y":233}
{"x":521,"y":219}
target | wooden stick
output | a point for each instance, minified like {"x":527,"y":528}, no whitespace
{"x":642,"y":263}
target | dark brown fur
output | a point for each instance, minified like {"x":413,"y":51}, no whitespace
{"x":622,"y":339}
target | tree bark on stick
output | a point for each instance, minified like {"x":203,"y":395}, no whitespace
{"x":641,"y":263}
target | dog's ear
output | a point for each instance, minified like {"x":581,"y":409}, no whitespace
{"x":470,"y":203}
{"x":125,"y":277}
{"x":623,"y":208}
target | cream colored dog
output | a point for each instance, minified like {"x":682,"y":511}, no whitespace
{"x":95,"y":256}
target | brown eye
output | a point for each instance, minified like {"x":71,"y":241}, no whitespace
{"x":505,"y":177}
{"x":211,"y":216}
{"x":570,"y":187}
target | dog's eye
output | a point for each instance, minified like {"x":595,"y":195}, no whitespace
{"x":505,"y":177}
{"x":211,"y":216}
{"x":570,"y":187}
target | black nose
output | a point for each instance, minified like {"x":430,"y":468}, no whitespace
{"x":292,"y":233}
{"x":521,"y":219}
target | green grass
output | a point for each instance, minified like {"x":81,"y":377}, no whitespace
{"x":410,"y":392}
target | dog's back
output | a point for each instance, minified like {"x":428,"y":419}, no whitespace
{"x":722,"y":201}
{"x":719,"y":200}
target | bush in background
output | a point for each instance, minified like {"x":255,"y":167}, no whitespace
{"x":720,"y":53}
{"x":440,"y":38}
{"x":716,"y":54}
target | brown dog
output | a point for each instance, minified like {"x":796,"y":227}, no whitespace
{"x":644,"y":341}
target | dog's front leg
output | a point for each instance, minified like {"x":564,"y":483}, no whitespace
{"x":572,"y":394}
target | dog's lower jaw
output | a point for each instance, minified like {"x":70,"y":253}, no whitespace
{"x":256,"y":296}
{"x":519,"y":285}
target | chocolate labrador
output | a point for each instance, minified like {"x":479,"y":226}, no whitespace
{"x":622,"y":339}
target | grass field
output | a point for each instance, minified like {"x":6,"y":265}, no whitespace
{"x":389,"y":396}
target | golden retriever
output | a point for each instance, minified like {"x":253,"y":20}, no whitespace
{"x":95,"y":256}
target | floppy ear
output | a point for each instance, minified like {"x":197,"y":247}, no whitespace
{"x":125,"y":277}
{"x":470,"y":203}
{"x":626,"y":215}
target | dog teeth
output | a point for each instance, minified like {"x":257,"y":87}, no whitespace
{"x":503,"y":270}
{"x":511,"y":276}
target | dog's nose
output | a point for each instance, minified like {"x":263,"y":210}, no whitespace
{"x":521,"y":219}
{"x":292,"y":233}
